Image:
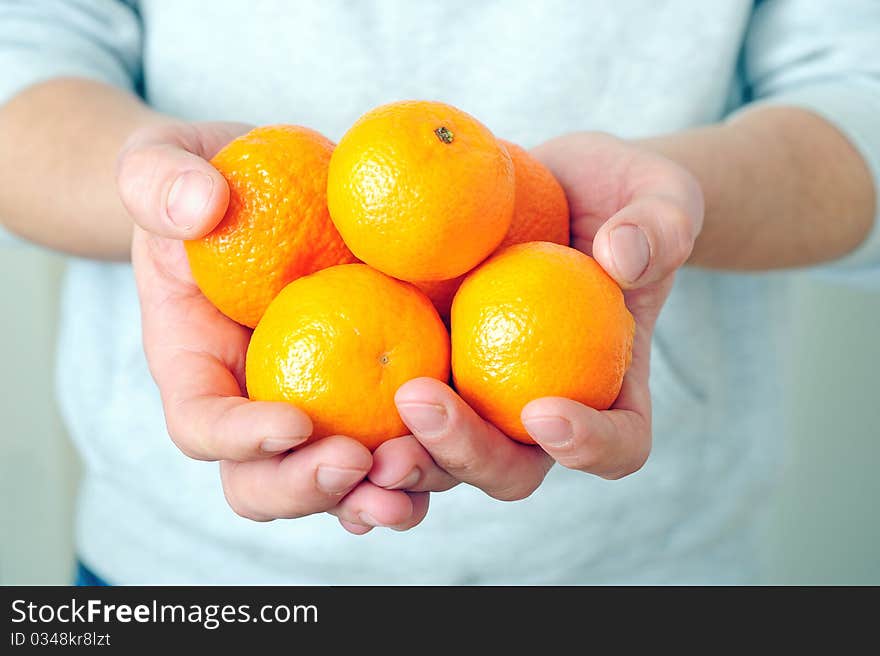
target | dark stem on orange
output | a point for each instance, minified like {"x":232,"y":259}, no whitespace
{"x":445,"y":135}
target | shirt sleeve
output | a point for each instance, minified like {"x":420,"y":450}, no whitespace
{"x":42,"y":39}
{"x":824,"y":57}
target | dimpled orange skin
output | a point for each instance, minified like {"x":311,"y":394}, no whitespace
{"x":277,"y":226}
{"x":538,"y":319}
{"x":338,"y":343}
{"x":540,"y":213}
{"x":421,"y":190}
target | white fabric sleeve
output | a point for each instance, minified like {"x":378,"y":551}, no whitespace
{"x":42,"y":39}
{"x":824,"y":57}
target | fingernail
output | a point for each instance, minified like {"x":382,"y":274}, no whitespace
{"x":407,"y":481}
{"x":368,"y":519}
{"x":552,"y":431}
{"x":424,"y":418}
{"x":276,"y":445}
{"x":188,"y":197}
{"x":630,"y":252}
{"x":334,"y":480}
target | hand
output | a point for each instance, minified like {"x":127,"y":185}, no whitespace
{"x":197,"y":355}
{"x":638,"y":214}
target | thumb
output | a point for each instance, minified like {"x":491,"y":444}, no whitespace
{"x":166,"y":183}
{"x":646,"y":241}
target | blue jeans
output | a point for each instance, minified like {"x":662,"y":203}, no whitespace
{"x":86,"y":577}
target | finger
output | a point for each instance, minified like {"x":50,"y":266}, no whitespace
{"x":372,"y":506}
{"x":404,"y":464}
{"x":208,"y":419}
{"x":356,"y":529}
{"x":196,"y":356}
{"x":612,"y":443}
{"x":308,"y":480}
{"x":466,"y":446}
{"x":636,"y":212}
{"x":166,"y":182}
{"x":647,"y":240}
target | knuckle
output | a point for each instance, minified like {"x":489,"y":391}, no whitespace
{"x":144,"y":134}
{"x":131,"y":160}
{"x":292,"y":507}
{"x":234,"y":497}
{"x":678,"y":225}
{"x":235,"y":502}
{"x":410,"y":523}
{"x":126,"y":178}
{"x":441,"y":484}
{"x":237,"y":508}
{"x":465,"y":458}
{"x":190,"y":445}
{"x":184,"y":446}
{"x":587,"y":458}
{"x":253,"y":516}
{"x":677,"y":217}
{"x":513,"y":492}
{"x":461,"y":465}
{"x":519,"y":487}
{"x":618,"y":474}
{"x":627,"y":470}
{"x":633,"y":465}
{"x":136,"y":178}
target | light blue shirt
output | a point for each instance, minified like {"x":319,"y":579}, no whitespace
{"x":530,"y":71}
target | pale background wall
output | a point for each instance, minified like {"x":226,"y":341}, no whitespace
{"x":826,"y":526}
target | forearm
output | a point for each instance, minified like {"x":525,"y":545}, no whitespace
{"x":60,"y":142}
{"x":783,"y":188}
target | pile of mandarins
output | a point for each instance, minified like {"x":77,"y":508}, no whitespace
{"x":348,"y":261}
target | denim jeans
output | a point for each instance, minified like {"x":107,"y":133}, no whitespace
{"x":86,"y":577}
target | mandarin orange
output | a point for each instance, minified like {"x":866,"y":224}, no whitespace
{"x":421,"y":190}
{"x":276,"y":227}
{"x":540,"y":213}
{"x":538,"y":319}
{"x":338,"y":344}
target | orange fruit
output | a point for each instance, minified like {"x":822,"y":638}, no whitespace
{"x":441,"y":292}
{"x":540,"y":210}
{"x":540,"y":213}
{"x":420,"y":190}
{"x":277,"y":226}
{"x":538,"y":319}
{"x":338,"y":343}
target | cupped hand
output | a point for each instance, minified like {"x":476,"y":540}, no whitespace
{"x":638,"y":214}
{"x":197,"y":355}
